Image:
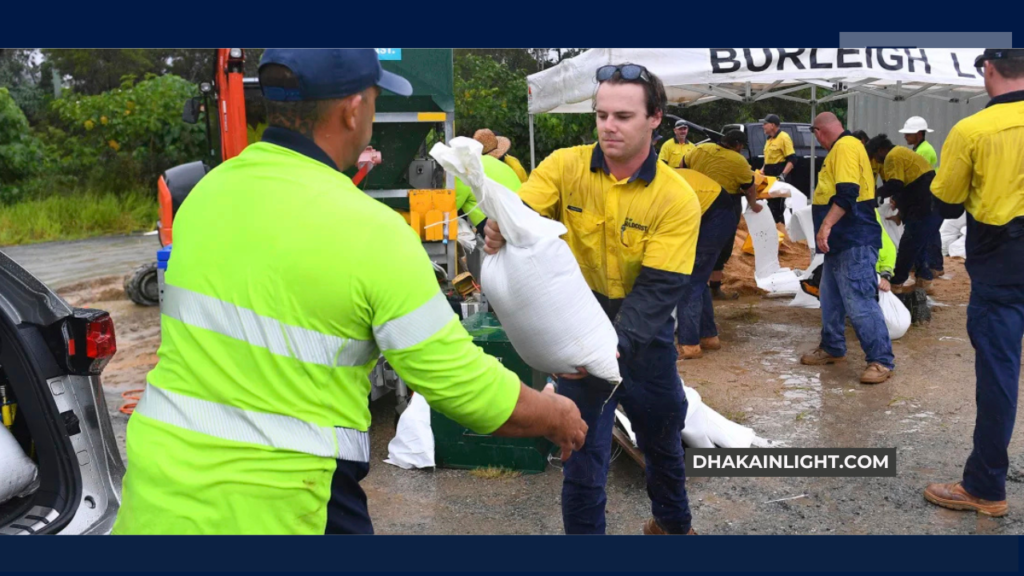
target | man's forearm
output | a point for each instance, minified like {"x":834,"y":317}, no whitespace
{"x":533,"y":416}
{"x":787,"y":169}
{"x":833,"y":216}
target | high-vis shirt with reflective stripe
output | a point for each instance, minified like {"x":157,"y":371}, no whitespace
{"x":272,"y":321}
{"x":983,"y":169}
{"x":725,"y":166}
{"x":778,"y":149}
{"x":496,"y":170}
{"x":672,"y":152}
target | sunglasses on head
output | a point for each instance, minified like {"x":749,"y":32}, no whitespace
{"x":626,"y":72}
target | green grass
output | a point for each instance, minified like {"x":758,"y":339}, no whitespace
{"x":76,"y":216}
{"x":493,"y":473}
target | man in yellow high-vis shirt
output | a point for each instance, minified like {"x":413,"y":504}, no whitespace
{"x":848,"y":233}
{"x":779,"y":160}
{"x":723,"y":163}
{"x":672,"y":151}
{"x":632,"y":225}
{"x":255,"y":419}
{"x":982,"y":171}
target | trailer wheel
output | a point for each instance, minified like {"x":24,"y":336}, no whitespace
{"x":142,"y":285}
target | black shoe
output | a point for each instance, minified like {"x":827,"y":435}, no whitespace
{"x":718,"y":294}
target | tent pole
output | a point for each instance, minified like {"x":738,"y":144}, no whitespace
{"x":814,"y":155}
{"x":533,"y":154}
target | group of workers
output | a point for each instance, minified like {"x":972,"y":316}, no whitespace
{"x":255,"y":418}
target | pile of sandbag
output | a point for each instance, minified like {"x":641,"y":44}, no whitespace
{"x":18,"y":474}
{"x":534,"y":284}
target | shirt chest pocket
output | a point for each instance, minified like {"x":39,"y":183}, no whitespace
{"x":586,"y":238}
{"x":632,"y":245}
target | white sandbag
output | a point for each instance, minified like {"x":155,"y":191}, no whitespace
{"x":413,"y":444}
{"x":704,"y":428}
{"x":18,"y":473}
{"x":894,"y":230}
{"x":768,"y":275}
{"x":534,"y":283}
{"x":765,"y":237}
{"x":805,"y":300}
{"x":959,"y":247}
{"x":950,"y":231}
{"x":784,"y":282}
{"x":897,"y":317}
{"x":801,"y":227}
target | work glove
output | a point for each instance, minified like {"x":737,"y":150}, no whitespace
{"x":782,"y":177}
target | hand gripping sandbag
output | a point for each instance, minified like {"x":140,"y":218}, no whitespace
{"x":18,"y":474}
{"x":534,"y":283}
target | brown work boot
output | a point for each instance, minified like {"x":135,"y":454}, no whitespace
{"x":689,"y":352}
{"x":954,"y":497}
{"x":711,"y":343}
{"x":925,"y":285}
{"x":819,"y":357}
{"x":900,"y":289}
{"x":652,"y":528}
{"x":875,"y":373}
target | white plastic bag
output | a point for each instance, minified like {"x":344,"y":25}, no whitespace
{"x":897,"y":317}
{"x":894,"y":230}
{"x":413,"y":444}
{"x":18,"y":473}
{"x":467,"y":237}
{"x":534,"y":283}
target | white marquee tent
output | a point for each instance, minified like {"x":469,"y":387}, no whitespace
{"x":698,"y":75}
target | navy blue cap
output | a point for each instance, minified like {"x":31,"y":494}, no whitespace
{"x":325,"y":74}
{"x":998,"y":54}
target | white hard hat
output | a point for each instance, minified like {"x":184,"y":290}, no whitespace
{"x":914,"y":125}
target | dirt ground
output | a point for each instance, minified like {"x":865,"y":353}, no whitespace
{"x":926,"y":411}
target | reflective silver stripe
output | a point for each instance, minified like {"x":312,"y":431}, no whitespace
{"x":416,"y":326}
{"x":262,"y":428}
{"x":243,"y":324}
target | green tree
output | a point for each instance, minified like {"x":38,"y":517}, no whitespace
{"x":130,"y":134}
{"x":94,"y":71}
{"x":21,"y":75}
{"x":20,"y":151}
{"x":489,"y":94}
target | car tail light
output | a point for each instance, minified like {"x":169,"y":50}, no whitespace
{"x":100,"y":343}
{"x":85,"y":342}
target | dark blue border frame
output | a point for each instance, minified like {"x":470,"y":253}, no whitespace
{"x":620,"y":554}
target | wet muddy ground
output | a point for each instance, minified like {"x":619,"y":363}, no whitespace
{"x":926,"y":411}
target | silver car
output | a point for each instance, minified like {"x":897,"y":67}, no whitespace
{"x":51,"y":358}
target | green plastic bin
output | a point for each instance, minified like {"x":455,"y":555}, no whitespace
{"x":456,"y":446}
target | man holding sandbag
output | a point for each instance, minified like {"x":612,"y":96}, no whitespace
{"x":633,"y":225}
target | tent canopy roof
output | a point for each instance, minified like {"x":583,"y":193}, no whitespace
{"x":698,"y":75}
